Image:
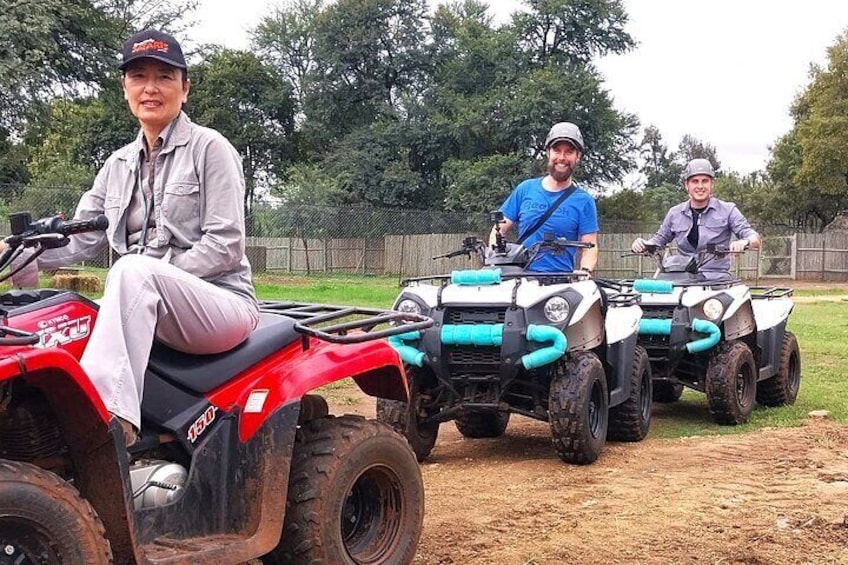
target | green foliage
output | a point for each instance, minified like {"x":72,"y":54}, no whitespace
{"x":659,"y":166}
{"x":286,"y":37}
{"x":50,"y":47}
{"x":13,"y":169}
{"x":482,"y":184}
{"x":249,"y":103}
{"x":370,"y":62}
{"x":809,"y":167}
{"x":693,"y":148}
{"x":625,"y":205}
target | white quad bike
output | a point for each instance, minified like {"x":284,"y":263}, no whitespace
{"x":555,"y":347}
{"x":722,"y":338}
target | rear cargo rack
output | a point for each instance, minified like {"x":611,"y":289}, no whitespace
{"x":346,"y":324}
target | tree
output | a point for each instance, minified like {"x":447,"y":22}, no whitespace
{"x":370,"y":63}
{"x":571,"y":32}
{"x":55,"y":48}
{"x":251,"y":104}
{"x":659,"y":166}
{"x":287,"y":39}
{"x":498,"y":91}
{"x":693,"y":148}
{"x":808,"y":168}
{"x":13,"y":170}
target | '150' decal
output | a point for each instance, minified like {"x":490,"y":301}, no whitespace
{"x":202,"y":423}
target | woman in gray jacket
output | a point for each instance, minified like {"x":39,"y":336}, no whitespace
{"x":174,"y":200}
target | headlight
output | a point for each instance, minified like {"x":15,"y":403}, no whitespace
{"x":557,"y":309}
{"x":713,"y":309}
{"x":408,"y":306}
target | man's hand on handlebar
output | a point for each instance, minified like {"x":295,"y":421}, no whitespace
{"x":739,"y":245}
{"x":638,"y":245}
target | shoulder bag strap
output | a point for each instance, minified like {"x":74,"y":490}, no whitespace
{"x":562,"y":198}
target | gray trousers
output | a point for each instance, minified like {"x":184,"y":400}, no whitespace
{"x":146,"y":298}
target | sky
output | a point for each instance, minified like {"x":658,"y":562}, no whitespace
{"x":724,"y":71}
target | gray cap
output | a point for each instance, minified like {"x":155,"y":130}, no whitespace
{"x":698,"y":167}
{"x":565,"y":131}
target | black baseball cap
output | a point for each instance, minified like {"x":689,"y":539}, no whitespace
{"x":153,"y":44}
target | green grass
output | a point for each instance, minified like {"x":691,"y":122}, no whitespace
{"x":374,"y":291}
{"x":820,"y":326}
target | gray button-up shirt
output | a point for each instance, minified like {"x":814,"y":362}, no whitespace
{"x":198,"y":208}
{"x":716,"y":224}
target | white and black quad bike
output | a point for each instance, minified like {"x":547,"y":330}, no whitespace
{"x":719,"y":337}
{"x":555,"y":347}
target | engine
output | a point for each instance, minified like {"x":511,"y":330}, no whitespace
{"x":155,"y":482}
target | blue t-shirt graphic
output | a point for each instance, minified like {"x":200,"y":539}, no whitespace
{"x":575,"y":217}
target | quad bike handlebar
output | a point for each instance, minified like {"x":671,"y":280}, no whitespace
{"x":695,"y":263}
{"x":46,"y":233}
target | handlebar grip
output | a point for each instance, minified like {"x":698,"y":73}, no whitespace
{"x":67,"y":227}
{"x":98,"y":223}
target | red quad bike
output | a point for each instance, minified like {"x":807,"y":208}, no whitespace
{"x":235,"y":461}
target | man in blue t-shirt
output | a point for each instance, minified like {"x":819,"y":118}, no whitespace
{"x":576,"y":218}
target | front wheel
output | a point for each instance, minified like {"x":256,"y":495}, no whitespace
{"x":355,"y":496}
{"x":630,"y":420}
{"x":482,"y":424}
{"x":666,"y":392}
{"x":43,"y":519}
{"x":578,"y":407}
{"x":403,"y":417}
{"x":731,"y":383}
{"x":782,"y":389}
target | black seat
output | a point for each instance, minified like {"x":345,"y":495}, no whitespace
{"x":203,"y":373}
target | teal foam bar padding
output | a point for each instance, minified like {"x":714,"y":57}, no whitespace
{"x":474,"y":278}
{"x":653,"y":286}
{"x":546,"y":355}
{"x":653,"y":326}
{"x":705,"y":343}
{"x":482,"y":334}
{"x":408,"y":354}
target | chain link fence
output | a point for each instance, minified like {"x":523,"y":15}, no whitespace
{"x":285,"y":238}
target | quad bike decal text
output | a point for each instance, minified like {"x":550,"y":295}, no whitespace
{"x":62,"y":330}
{"x":202,"y":423}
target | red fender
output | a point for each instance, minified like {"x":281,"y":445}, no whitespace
{"x":292,"y":372}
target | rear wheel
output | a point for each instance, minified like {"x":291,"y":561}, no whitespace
{"x":731,"y":383}
{"x":578,"y":407}
{"x":355,"y":496}
{"x":630,"y":420}
{"x":482,"y":424}
{"x":403,"y":417}
{"x":43,"y":519}
{"x":782,"y":389}
{"x":666,"y":392}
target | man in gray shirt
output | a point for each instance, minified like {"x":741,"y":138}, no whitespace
{"x":701,"y":221}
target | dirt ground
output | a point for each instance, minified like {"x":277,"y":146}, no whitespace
{"x":773,"y":496}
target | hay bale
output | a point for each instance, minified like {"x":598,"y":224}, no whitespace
{"x":78,"y":282}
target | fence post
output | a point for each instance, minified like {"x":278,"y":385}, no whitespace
{"x":326,"y":255}
{"x":823,"y":250}
{"x":400,"y":263}
{"x":290,"y":254}
{"x":793,"y":256}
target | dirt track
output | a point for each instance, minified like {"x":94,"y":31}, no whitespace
{"x":767,"y":497}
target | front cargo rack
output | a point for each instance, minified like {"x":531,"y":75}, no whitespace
{"x":770,"y":292}
{"x":346,"y":324}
